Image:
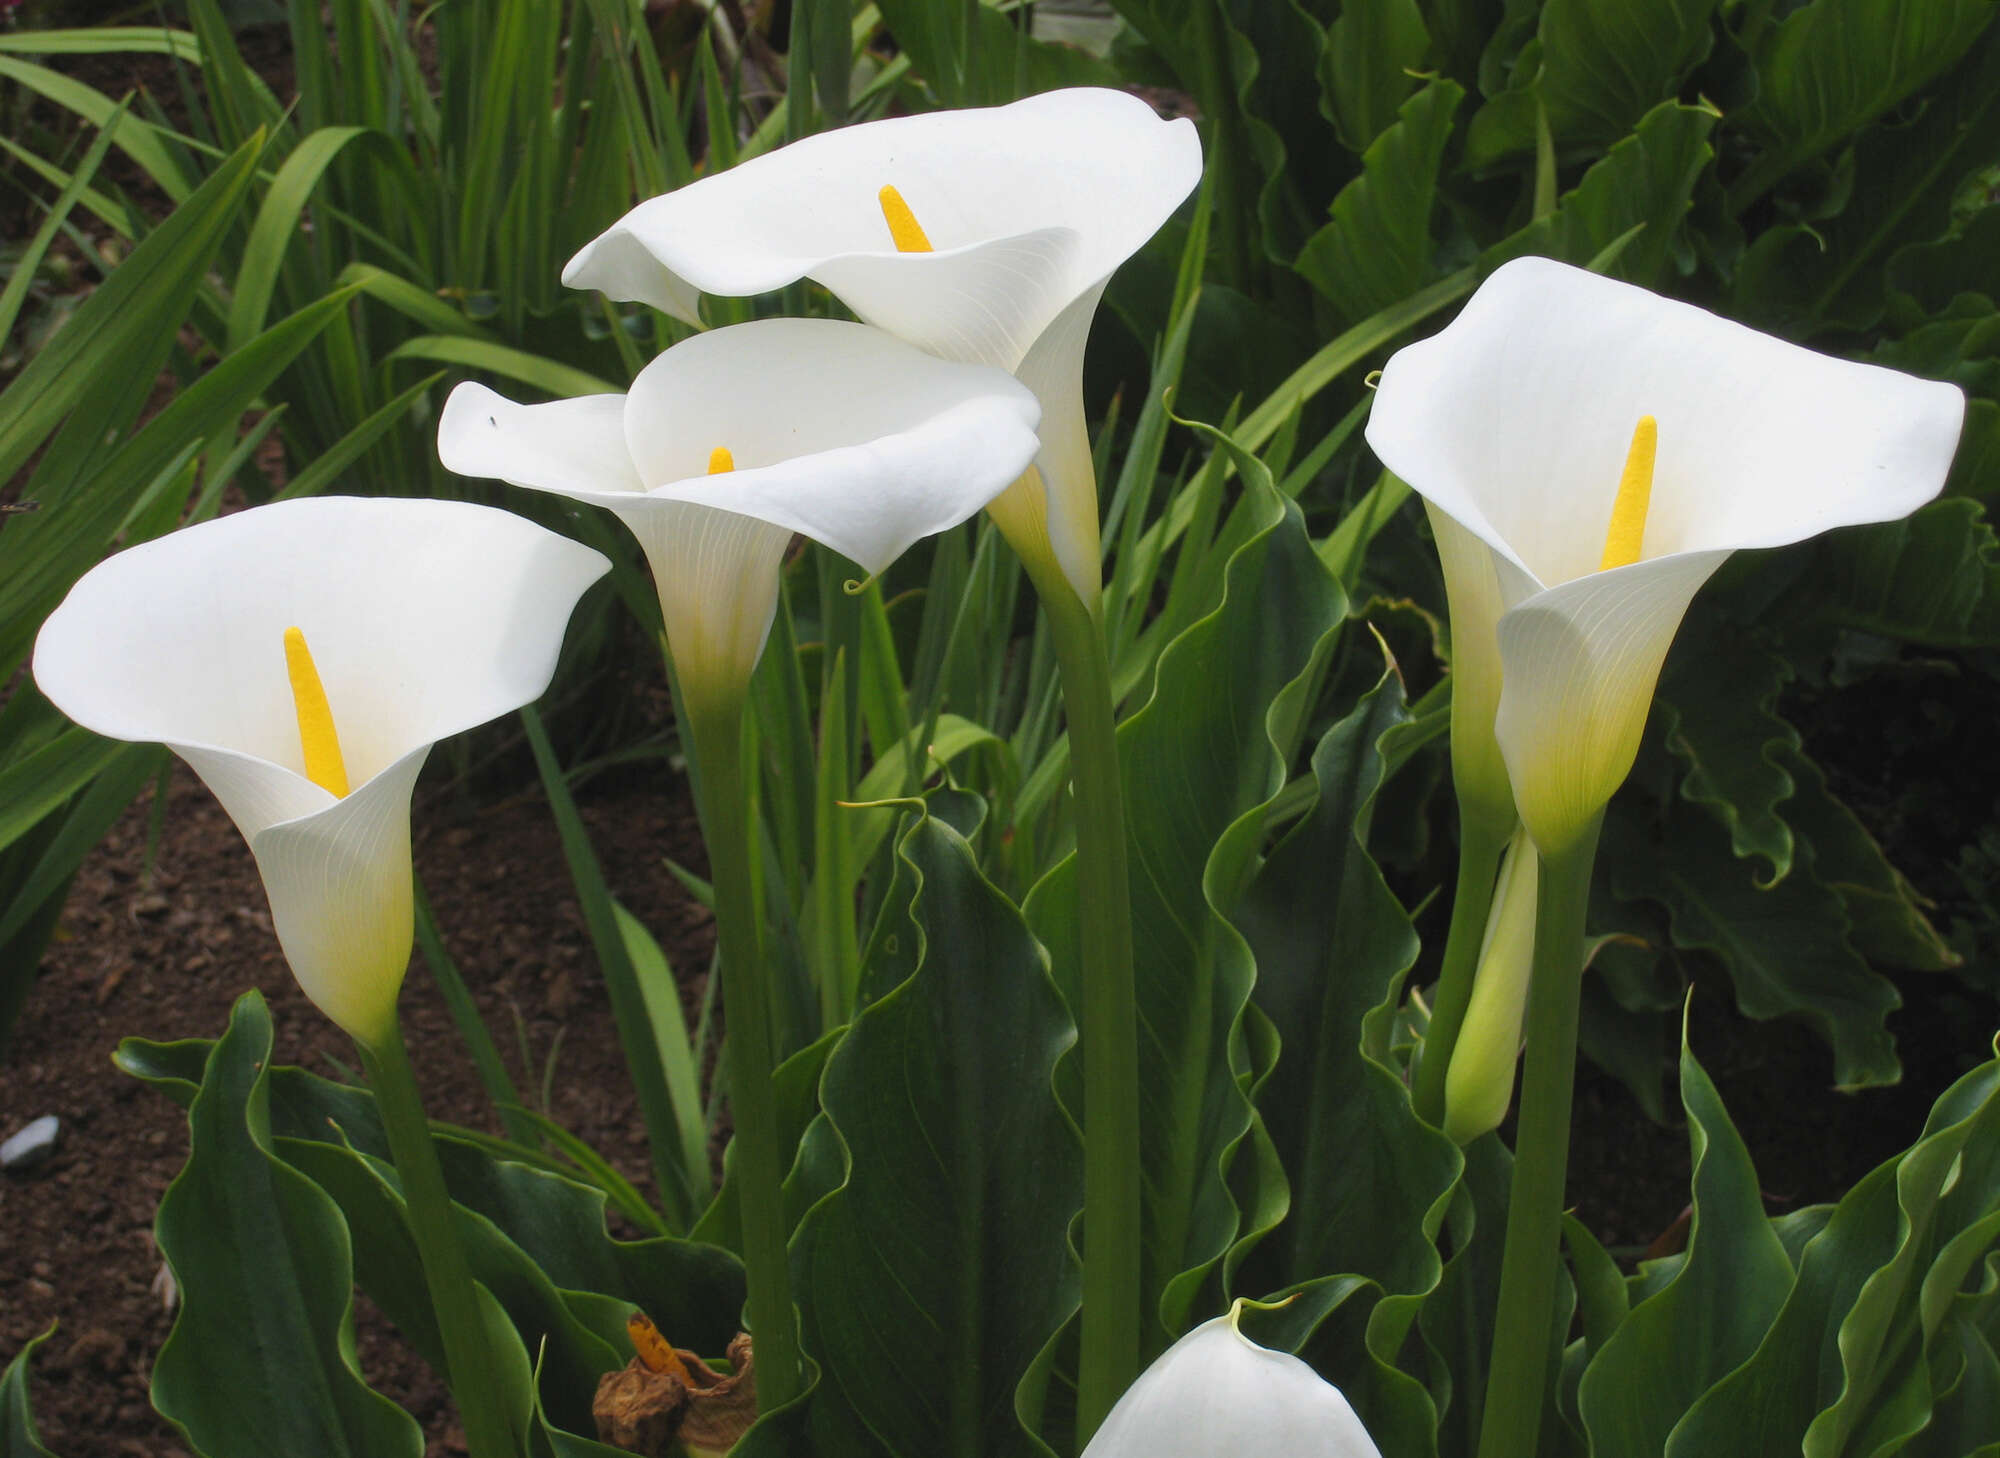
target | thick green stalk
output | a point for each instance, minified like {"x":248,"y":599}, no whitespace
{"x":757,"y":1161}
{"x":1479,"y":851}
{"x":1110,"y":1016}
{"x":474,"y":1376}
{"x":1523,"y":1329}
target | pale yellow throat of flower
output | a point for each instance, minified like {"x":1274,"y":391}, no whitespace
{"x":903,"y":226}
{"x":324,"y":766}
{"x":1626,"y":539}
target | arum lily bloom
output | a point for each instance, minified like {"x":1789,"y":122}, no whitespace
{"x":1217,"y":1394}
{"x":731,"y":441}
{"x":725,"y":446}
{"x":303,"y":658}
{"x":984,"y":236}
{"x":1609,"y":449}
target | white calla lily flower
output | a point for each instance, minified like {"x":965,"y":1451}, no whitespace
{"x":1217,"y":1394}
{"x":423,"y":619}
{"x":733,"y":440}
{"x":1609,"y":449}
{"x":984,"y":236}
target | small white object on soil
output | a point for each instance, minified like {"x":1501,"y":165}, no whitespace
{"x":31,"y":1144}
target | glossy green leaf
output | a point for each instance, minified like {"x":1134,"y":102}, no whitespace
{"x":942,"y":1256}
{"x":1680,"y":1341}
{"x":19,"y":1437}
{"x":387,"y":1266}
{"x":1377,"y":249}
{"x":1197,"y":757}
{"x":688,"y":1286}
{"x":1456,"y":1323}
{"x":974,"y":55}
{"x":1369,"y":1179}
{"x":1906,"y":174}
{"x":1718,"y":705}
{"x":1645,"y":182}
{"x":1367,"y":68}
{"x":1785,"y":946}
{"x":1854,"y":1308}
{"x":281,"y":1324}
{"x":1834,"y":65}
{"x":1886,"y":914}
{"x":1931,"y":578}
{"x":1601,"y":66}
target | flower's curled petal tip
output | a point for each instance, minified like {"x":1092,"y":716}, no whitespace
{"x":784,"y":393}
{"x":1579,"y":665}
{"x":1516,"y":418}
{"x":871,"y":502}
{"x":572,"y":447}
{"x":985,"y":303}
{"x":425,"y":618}
{"x":1215,"y":1391}
{"x":1099,"y":162}
{"x":618,"y":264}
{"x":339,"y":883}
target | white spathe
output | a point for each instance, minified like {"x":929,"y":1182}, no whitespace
{"x":1514,"y":422}
{"x":1028,"y":207}
{"x":836,"y":430}
{"x":424,"y":618}
{"x":1217,"y":1394}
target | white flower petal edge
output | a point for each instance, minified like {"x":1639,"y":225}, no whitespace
{"x":425,"y":618}
{"x":837,"y":431}
{"x":1217,"y":1394}
{"x":1516,"y":418}
{"x":1097,"y":162}
{"x":1030,"y":207}
{"x":1514,"y":423}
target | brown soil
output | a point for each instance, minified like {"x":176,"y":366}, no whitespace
{"x":165,"y":955}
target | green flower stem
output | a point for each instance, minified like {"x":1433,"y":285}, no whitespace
{"x":1110,"y":1016}
{"x":474,"y":1376}
{"x":1523,"y":1328}
{"x":755,"y":1158}
{"x":1479,"y":852}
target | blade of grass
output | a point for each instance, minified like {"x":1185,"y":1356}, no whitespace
{"x":643,"y":1056}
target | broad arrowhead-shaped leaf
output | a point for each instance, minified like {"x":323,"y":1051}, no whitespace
{"x":1856,"y":1309}
{"x":1680,"y":1341}
{"x":932,"y":1277}
{"x":1377,"y":249}
{"x":1644,"y":183}
{"x":261,"y":1357}
{"x":1369,"y":1179}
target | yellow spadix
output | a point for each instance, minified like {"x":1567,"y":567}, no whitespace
{"x":719,"y":460}
{"x":324,"y":766}
{"x":903,"y":226}
{"x":1627,"y":536}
